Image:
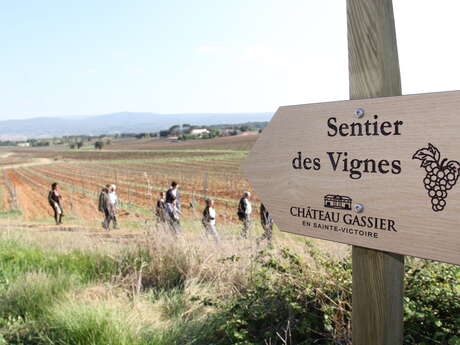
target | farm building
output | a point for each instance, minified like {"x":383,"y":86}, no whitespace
{"x":337,"y":201}
{"x":199,"y":131}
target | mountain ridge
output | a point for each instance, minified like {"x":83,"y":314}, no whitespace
{"x":119,"y":122}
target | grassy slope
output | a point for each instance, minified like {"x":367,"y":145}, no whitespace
{"x":167,"y":290}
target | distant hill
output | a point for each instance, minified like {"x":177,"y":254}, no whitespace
{"x":125,"y":122}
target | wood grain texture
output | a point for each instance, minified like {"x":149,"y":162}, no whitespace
{"x":427,"y":118}
{"x":378,"y":277}
{"x":372,"y":50}
{"x":377,"y":316}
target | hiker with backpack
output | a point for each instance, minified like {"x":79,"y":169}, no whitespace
{"x":209,"y":220}
{"x":172,"y":207}
{"x":266,"y":221}
{"x":54,"y":199}
{"x":160,"y":211}
{"x":244,"y":213}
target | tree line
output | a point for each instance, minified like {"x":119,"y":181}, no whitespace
{"x":179,"y":131}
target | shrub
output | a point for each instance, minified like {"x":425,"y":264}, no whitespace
{"x":288,"y":302}
{"x":99,"y":145}
{"x":432,"y":303}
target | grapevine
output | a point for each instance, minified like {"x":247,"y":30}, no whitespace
{"x":440,"y":177}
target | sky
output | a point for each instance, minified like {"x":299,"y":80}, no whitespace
{"x":89,"y":57}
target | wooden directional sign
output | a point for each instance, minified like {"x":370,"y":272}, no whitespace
{"x":379,"y":173}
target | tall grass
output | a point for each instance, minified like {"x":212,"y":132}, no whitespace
{"x":170,"y":262}
{"x":30,"y":294}
{"x":86,"y":324}
{"x":17,"y":258}
{"x":187,"y":290}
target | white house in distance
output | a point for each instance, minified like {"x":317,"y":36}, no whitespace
{"x":199,"y":131}
{"x":23,"y":144}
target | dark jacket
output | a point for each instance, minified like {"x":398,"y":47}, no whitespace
{"x":242,"y":209}
{"x":104,"y":201}
{"x":171,"y":196}
{"x":160,"y":209}
{"x":54,"y":198}
{"x":265,"y":218}
{"x":206,"y":215}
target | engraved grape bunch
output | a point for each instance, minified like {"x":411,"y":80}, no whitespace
{"x":440,"y":177}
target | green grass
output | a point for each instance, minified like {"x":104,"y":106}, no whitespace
{"x":40,"y":303}
{"x":11,"y":214}
{"x":18,"y":258}
{"x":29,"y":293}
{"x":188,"y":297}
{"x":86,"y":324}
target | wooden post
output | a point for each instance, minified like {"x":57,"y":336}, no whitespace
{"x":374,"y":72}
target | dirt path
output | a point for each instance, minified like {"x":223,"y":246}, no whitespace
{"x":38,"y":161}
{"x":71,"y":236}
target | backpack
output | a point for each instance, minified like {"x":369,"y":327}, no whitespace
{"x":241,"y":210}
{"x":50,"y":198}
{"x":265,"y":217}
{"x":206,"y":217}
{"x":102,"y":202}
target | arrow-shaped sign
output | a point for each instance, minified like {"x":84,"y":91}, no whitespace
{"x":378,"y":173}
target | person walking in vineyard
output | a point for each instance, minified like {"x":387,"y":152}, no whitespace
{"x":104,"y":207}
{"x":113,"y":207}
{"x":54,"y":199}
{"x":244,"y":213}
{"x":209,"y":220}
{"x":160,"y":210}
{"x":172,"y":208}
{"x":266,"y":221}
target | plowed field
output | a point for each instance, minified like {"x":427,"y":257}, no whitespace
{"x":140,"y":169}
